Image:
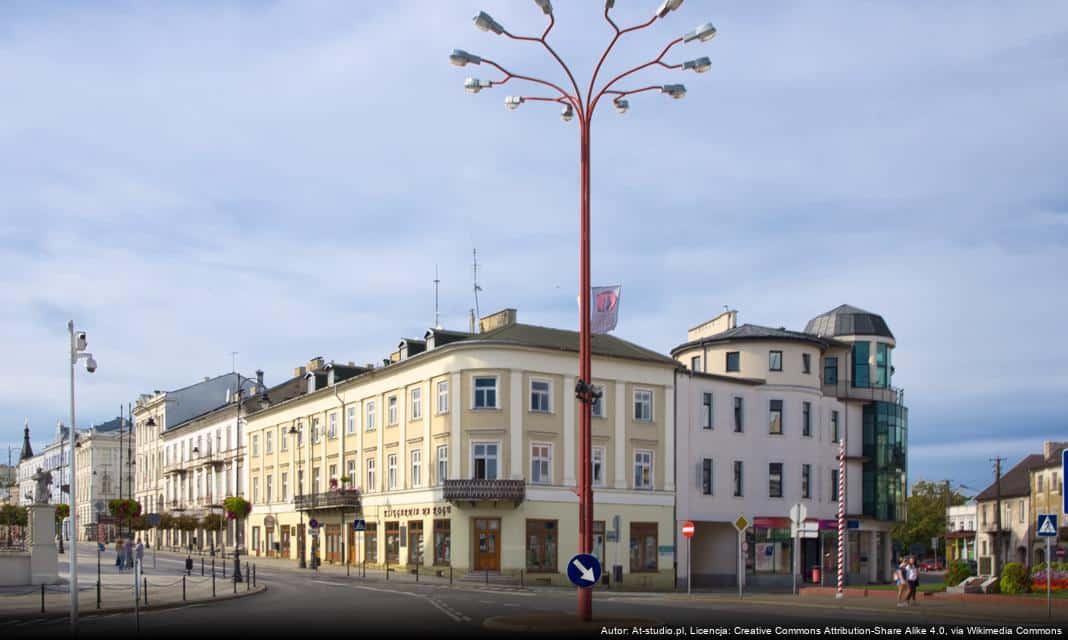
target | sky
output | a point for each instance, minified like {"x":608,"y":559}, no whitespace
{"x":281,"y":180}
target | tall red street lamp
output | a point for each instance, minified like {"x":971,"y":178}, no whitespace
{"x":574,"y":104}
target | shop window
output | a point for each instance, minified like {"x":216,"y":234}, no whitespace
{"x":542,"y":540}
{"x":415,"y":542}
{"x":643,"y":547}
{"x":442,"y":542}
{"x":393,"y":543}
{"x":370,"y":540}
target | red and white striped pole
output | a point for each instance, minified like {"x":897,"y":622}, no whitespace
{"x":841,"y":514}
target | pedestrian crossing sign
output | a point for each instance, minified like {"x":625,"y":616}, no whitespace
{"x":1047,"y":525}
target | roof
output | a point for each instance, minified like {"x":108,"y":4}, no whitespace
{"x":756,"y":332}
{"x":847,"y":320}
{"x":1016,"y":483}
{"x":27,"y":450}
{"x":601,"y":344}
{"x":1054,"y":459}
{"x":110,"y":425}
{"x":250,"y":404}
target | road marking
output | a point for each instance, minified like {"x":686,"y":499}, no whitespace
{"x":455,"y":617}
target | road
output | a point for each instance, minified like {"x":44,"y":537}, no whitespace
{"x":303,"y":603}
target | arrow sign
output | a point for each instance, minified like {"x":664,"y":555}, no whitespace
{"x":584,"y":570}
{"x":1047,"y":525}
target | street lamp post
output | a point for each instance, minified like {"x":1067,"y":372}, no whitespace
{"x":78,"y":344}
{"x":575,"y":105}
{"x":293,"y":431}
{"x":238,"y":528}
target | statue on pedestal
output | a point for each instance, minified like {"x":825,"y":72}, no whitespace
{"x":44,"y":480}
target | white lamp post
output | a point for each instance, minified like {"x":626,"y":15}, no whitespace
{"x":77,"y":352}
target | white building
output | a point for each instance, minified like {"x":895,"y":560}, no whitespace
{"x":960,"y":532}
{"x":54,"y":458}
{"x":759,"y":417}
{"x":96,"y":466}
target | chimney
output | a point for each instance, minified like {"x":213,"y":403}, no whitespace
{"x":315,"y":363}
{"x":259,"y":378}
{"x":298,"y":372}
{"x":502,"y":318}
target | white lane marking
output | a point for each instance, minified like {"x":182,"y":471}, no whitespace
{"x":437,"y":605}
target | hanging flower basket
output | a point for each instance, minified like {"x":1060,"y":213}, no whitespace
{"x":237,"y":508}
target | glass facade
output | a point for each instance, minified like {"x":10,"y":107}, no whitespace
{"x":882,"y":365}
{"x":885,"y":472}
{"x":861,"y":371}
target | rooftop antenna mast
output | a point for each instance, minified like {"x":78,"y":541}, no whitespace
{"x":233,"y":361}
{"x":437,"y":321}
{"x":474,"y":256}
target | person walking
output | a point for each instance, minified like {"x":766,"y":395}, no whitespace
{"x":128,"y":557}
{"x":901,"y":581}
{"x":139,"y":552}
{"x":912,"y":573}
{"x":119,"y":554}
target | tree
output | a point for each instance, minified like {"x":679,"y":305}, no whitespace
{"x":62,"y":511}
{"x":925,"y":516}
{"x":13,"y":515}
{"x":125,"y":509}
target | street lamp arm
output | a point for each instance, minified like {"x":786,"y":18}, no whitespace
{"x":608,"y":49}
{"x":659,"y":60}
{"x":577,"y":103}
{"x":508,"y":75}
{"x":620,"y":94}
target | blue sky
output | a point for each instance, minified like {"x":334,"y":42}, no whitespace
{"x":280,"y":179}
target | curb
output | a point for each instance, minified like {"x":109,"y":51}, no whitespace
{"x":500,"y":623}
{"x":83,"y":613}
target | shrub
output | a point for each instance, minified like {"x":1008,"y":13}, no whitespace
{"x":957,"y":573}
{"x":236,"y":507}
{"x":1015,"y":578}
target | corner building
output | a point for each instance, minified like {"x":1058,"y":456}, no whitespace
{"x":462,"y":451}
{"x":761,"y":415}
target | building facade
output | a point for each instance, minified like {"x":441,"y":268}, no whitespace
{"x":960,"y":532}
{"x":96,"y":467}
{"x":760,"y":418}
{"x":462,"y":450}
{"x":1006,"y":537}
{"x":1047,"y":487}
{"x":54,"y":458}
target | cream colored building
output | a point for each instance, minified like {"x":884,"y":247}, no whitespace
{"x":462,"y":451}
{"x":1047,"y":485}
{"x":96,"y":469}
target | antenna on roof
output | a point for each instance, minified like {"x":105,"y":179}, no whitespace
{"x":474,"y":256}
{"x":233,"y":361}
{"x":437,"y":321}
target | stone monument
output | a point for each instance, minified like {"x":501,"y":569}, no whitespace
{"x":41,"y":539}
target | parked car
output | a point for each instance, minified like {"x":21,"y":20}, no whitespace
{"x":931,"y":564}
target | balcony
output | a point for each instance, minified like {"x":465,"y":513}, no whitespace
{"x":844,"y":390}
{"x":174,"y":468}
{"x":347,"y":499}
{"x":474,"y":490}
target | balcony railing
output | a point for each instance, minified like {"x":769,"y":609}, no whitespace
{"x":844,"y":389}
{"x":474,"y":490}
{"x":348,"y":499}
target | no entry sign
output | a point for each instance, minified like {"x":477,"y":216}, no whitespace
{"x":687,"y":529}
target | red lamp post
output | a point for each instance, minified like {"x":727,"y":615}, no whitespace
{"x":574,"y":104}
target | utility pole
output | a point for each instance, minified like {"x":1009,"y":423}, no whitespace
{"x":998,"y":545}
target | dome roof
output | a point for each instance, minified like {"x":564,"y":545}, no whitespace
{"x":847,"y":320}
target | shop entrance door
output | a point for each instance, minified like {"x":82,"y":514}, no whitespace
{"x":487,"y":544}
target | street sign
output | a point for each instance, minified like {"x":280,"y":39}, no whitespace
{"x":313,"y":523}
{"x":1061,"y":552}
{"x":1047,"y":525}
{"x":687,"y":529}
{"x":584,"y":570}
{"x":153,"y":519}
{"x":798,"y":513}
{"x":269,"y":521}
{"x":313,"y":533}
{"x":741,"y":523}
{"x":359,"y":525}
{"x":934,"y":543}
{"x":852,"y":524}
{"x":99,"y":506}
{"x":806,"y":530}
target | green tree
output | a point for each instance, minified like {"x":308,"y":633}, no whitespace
{"x":11,"y":514}
{"x":62,"y":511}
{"x":925,"y":516}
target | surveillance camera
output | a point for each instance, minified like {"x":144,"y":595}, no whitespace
{"x":90,"y":364}
{"x":79,"y":341}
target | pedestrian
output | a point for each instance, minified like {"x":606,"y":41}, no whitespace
{"x":128,"y":557}
{"x":901,"y":581}
{"x":139,"y":551}
{"x":118,"y":553}
{"x":912,"y":573}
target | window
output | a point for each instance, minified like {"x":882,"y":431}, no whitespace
{"x":597,"y":408}
{"x":485,"y":393}
{"x":332,"y":474}
{"x":541,"y":463}
{"x":442,"y":542}
{"x":706,"y":476}
{"x":643,"y":469}
{"x":285,"y":486}
{"x":739,"y":426}
{"x":643,"y":405}
{"x":597,"y":461}
{"x":1038,"y":480}
{"x":775,"y":480}
{"x":733,"y":361}
{"x":643,"y":547}
{"x":739,"y":487}
{"x":443,"y":396}
{"x":830,"y":370}
{"x":861,"y":371}
{"x":416,"y":411}
{"x":331,"y":425}
{"x":315,"y":480}
{"x":415,"y":542}
{"x":417,"y":467}
{"x":806,"y":481}
{"x":315,"y":430}
{"x":706,"y":411}
{"x":350,"y":420}
{"x":836,"y":434}
{"x":283,"y":439}
{"x":255,"y":445}
{"x":300,"y":482}
{"x":1054,"y":485}
{"x":806,"y":363}
{"x":834,"y":485}
{"x":443,"y":463}
{"x":350,"y":472}
{"x":300,"y":435}
{"x":882,"y":364}
{"x":370,"y":425}
{"x":270,"y":488}
{"x":370,"y":542}
{"x":391,"y":471}
{"x":268,"y":442}
{"x":485,"y":460}
{"x":806,"y":419}
{"x":391,"y":410}
{"x":775,"y":417}
{"x":775,"y":361}
{"x":371,"y":486}
{"x":542,"y":539}
{"x":540,"y":395}
{"x":393,"y":543}
{"x":255,"y":490}
{"x":1021,"y":510}
{"x":695,"y":363}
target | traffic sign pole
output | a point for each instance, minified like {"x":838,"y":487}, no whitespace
{"x":689,"y":564}
{"x":1049,"y":577}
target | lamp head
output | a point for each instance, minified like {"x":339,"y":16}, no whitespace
{"x":474,"y":85}
{"x":513,"y":102}
{"x":621,"y":105}
{"x":676,"y":91}
{"x":667,"y":6}
{"x":90,"y":363}
{"x":567,"y":113}
{"x":700,"y":65}
{"x":460,"y":58}
{"x":704,"y":33}
{"x":545,"y":5}
{"x":486,"y":23}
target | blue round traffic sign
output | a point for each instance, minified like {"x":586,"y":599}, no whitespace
{"x":584,"y":570}
{"x":313,"y":523}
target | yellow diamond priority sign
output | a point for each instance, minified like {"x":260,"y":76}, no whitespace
{"x":741,"y":523}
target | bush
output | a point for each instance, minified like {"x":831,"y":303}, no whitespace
{"x":957,"y":573}
{"x":1015,"y":578}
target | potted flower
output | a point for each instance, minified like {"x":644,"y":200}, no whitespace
{"x":346,"y":480}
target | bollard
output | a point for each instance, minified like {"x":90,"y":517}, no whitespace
{"x":201,"y":566}
{"x":183,"y":588}
{"x":213,"y":566}
{"x":450,"y":575}
{"x":146,"y":591}
{"x":254,"y":575}
{"x":248,"y":579}
{"x":98,"y":593}
{"x":521,"y":578}
{"x":235,"y":585}
{"x":417,"y":573}
{"x":387,"y":567}
{"x":224,"y":565}
{"x":42,"y":598}
{"x":213,"y":584}
{"x":487,"y":576}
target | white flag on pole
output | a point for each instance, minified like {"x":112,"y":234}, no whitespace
{"x":604,"y":308}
